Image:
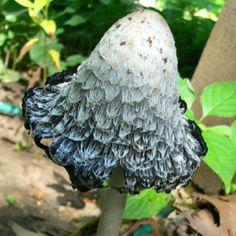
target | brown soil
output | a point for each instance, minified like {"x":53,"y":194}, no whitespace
{"x":45,"y":201}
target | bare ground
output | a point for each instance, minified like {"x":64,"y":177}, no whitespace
{"x":44,"y":199}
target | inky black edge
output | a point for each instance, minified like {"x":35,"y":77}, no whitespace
{"x":197,"y":134}
{"x":182,"y":104}
{"x":60,"y":77}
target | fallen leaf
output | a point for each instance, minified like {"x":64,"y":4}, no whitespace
{"x":217,"y":216}
{"x":182,"y":198}
{"x":203,"y":222}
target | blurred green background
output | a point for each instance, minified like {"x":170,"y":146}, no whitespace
{"x":41,"y":37}
{"x":53,"y":35}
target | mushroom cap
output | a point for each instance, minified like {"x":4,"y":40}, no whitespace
{"x":140,"y":47}
{"x":121,"y":109}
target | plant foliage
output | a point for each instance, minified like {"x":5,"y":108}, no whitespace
{"x":219,"y":99}
{"x":55,"y":35}
{"x":145,"y":204}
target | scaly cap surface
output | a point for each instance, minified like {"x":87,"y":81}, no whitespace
{"x":121,"y":109}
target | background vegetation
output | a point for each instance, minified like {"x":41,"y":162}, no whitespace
{"x":47,"y":36}
{"x":56,"y":35}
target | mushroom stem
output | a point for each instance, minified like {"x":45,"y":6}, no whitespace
{"x":113,"y":207}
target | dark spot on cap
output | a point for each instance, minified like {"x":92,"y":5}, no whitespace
{"x":175,"y":101}
{"x":117,"y":26}
{"x":165,"y":60}
{"x":143,"y":56}
{"x":164,"y":71}
{"x":129,"y":18}
{"x":141,"y":73}
{"x":143,"y":20}
{"x":122,"y":43}
{"x":161,"y":50}
{"x":149,"y":40}
{"x":128,"y":71}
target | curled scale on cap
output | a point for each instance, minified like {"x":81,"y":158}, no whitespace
{"x":120,"y":109}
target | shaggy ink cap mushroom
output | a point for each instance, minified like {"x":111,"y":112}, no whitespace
{"x":120,"y":109}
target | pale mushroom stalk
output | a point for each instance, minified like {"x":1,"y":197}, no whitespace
{"x":121,"y":109}
{"x":113,"y":206}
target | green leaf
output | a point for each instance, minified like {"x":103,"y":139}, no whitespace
{"x":34,"y":16}
{"x":75,"y":20}
{"x":233,"y":188}
{"x":3,"y":38}
{"x":55,"y":55}
{"x":60,"y":31}
{"x":221,"y":156}
{"x":49,"y":26}
{"x":145,"y":204}
{"x":10,"y":34}
{"x":233,"y":132}
{"x":25,"y":3}
{"x":220,"y":130}
{"x":9,"y":76}
{"x":2,"y":68}
{"x":189,"y":114}
{"x":39,"y":53}
{"x":39,"y":5}
{"x":219,"y":99}
{"x":186,"y":91}
{"x":20,"y":146}
{"x":11,"y":200}
{"x":11,"y":18}
{"x":74,"y":60}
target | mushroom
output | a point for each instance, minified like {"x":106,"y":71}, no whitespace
{"x":119,"y":115}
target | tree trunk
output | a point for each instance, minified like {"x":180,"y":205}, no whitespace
{"x":217,"y":64}
{"x":218,"y":61}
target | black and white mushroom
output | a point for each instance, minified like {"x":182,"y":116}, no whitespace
{"x":121,"y":109}
{"x":119,"y":116}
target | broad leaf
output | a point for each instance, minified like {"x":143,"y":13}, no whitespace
{"x":39,"y":54}
{"x":219,"y":99}
{"x":55,"y":55}
{"x":74,"y":60}
{"x":221,"y":156}
{"x":189,"y":114}
{"x":34,"y":16}
{"x":49,"y":26}
{"x":25,"y":3}
{"x":233,"y":132}
{"x":39,"y":4}
{"x":9,"y":76}
{"x":75,"y":20}
{"x":145,"y":204}
{"x":186,"y":91}
{"x":220,"y":130}
{"x":3,"y":38}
